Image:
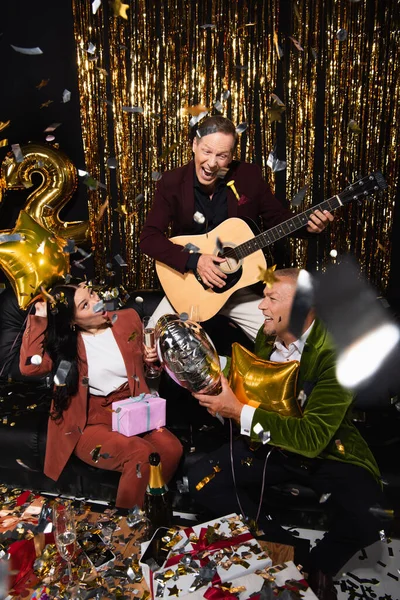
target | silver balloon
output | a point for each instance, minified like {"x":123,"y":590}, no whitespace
{"x":187,"y":354}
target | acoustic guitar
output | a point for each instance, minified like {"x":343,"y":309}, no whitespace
{"x":235,"y":241}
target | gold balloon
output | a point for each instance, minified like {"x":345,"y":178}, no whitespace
{"x":59,"y":181}
{"x":35,"y":259}
{"x":264,"y":383}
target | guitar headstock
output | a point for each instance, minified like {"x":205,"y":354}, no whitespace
{"x":370,"y":184}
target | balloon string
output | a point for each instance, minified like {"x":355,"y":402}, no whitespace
{"x":234,"y":477}
{"x":17,"y":337}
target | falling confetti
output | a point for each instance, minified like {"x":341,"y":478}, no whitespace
{"x":341,"y":35}
{"x":66,"y":96}
{"x":132,"y":109}
{"x":267,"y":276}
{"x":299,"y":197}
{"x":274,"y":163}
{"x":241,"y":128}
{"x":29,"y":51}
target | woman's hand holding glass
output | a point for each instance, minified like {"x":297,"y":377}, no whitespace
{"x":149,"y":348}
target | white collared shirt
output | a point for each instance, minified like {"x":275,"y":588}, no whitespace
{"x":279,"y":354}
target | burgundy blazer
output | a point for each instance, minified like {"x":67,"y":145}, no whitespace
{"x":63,"y":435}
{"x":174,"y":204}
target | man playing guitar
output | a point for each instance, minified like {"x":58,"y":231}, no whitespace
{"x":201,"y":195}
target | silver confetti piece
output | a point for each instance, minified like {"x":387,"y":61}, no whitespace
{"x":50,"y":138}
{"x":139,"y":300}
{"x":299,"y":197}
{"x":114,"y":318}
{"x":241,"y":128}
{"x":198,"y":217}
{"x":66,"y":96}
{"x":11,"y":237}
{"x":98,"y":307}
{"x":112,"y":163}
{"x":208,"y":26}
{"x":62,"y":373}
{"x":156,"y":175}
{"x":191,"y":248}
{"x":16,"y":148}
{"x":132,"y":109}
{"x":139,"y":199}
{"x":226,"y":95}
{"x":324,"y":497}
{"x":91,"y":49}
{"x":52,"y":127}
{"x":274,"y":163}
{"x":218,"y":106}
{"x":341,"y":35}
{"x":70,"y":247}
{"x":138,"y":471}
{"x":29,"y":51}
{"x":95,"y":6}
{"x":194,"y":120}
{"x":120,"y":261}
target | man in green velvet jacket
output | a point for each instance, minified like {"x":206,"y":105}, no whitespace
{"x":322,"y":449}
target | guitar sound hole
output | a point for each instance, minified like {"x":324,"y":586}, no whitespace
{"x":231,"y":265}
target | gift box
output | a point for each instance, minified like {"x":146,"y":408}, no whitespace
{"x":201,"y":556}
{"x":137,"y":415}
{"x":280,"y":577}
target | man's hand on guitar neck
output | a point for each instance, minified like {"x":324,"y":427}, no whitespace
{"x":209,"y":272}
{"x":318,"y":221}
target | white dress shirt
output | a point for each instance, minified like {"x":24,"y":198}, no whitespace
{"x":279,"y":354}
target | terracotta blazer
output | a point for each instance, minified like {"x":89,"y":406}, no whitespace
{"x":63,"y":435}
{"x":174,"y":204}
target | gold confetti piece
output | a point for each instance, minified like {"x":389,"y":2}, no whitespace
{"x":339,"y":446}
{"x":120,"y":9}
{"x":102,"y":71}
{"x":231,"y":184}
{"x":208,"y":478}
{"x":169,"y":150}
{"x":3,"y":143}
{"x":354,"y":127}
{"x":195,"y":111}
{"x":246,"y":25}
{"x":42,"y":84}
{"x":174,"y":591}
{"x":102,"y":210}
{"x":278,"y":49}
{"x":267,"y":276}
{"x":95,"y":453}
{"x":46,"y":104}
{"x":276,"y":99}
{"x":275,"y":112}
{"x":4,"y":124}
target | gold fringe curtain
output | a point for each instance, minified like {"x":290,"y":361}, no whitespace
{"x":176,"y":53}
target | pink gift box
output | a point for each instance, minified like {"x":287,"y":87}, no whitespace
{"x":139,"y":414}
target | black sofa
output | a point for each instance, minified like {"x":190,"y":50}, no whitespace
{"x":24,"y":406}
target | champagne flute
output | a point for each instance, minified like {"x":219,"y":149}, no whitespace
{"x":149,"y":342}
{"x":65,"y":532}
{"x":194,"y":313}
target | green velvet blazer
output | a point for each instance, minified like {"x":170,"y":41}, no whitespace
{"x":325,"y":427}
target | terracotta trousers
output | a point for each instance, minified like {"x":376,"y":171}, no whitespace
{"x":128,"y":455}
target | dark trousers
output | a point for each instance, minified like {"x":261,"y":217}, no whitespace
{"x":353,"y":491}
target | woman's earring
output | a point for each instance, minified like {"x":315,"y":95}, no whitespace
{"x":73,"y":327}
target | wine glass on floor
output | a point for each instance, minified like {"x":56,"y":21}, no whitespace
{"x":65,"y":532}
{"x":149,"y":341}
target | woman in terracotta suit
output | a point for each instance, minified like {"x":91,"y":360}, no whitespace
{"x":104,"y":355}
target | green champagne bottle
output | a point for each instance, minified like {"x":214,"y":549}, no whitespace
{"x":157,"y":504}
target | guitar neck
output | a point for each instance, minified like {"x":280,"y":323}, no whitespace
{"x":283,"y":229}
